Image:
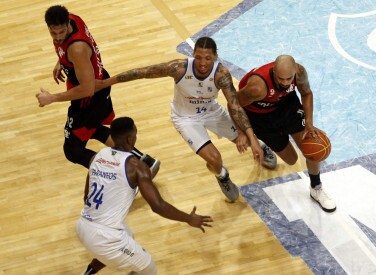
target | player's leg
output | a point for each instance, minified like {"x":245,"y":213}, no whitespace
{"x":75,"y":151}
{"x":197,"y":137}
{"x":317,"y":192}
{"x":94,"y":267}
{"x":102,"y":134}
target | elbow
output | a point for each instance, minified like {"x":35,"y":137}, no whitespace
{"x":157,"y":207}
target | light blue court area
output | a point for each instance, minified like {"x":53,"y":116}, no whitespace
{"x":335,"y":41}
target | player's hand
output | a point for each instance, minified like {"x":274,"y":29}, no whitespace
{"x":57,"y":73}
{"x":199,"y":221}
{"x":312,"y":131}
{"x":242,"y":142}
{"x":44,"y":97}
{"x":258,"y":153}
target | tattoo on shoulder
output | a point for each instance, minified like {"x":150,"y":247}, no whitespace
{"x":224,"y":80}
{"x":176,"y":66}
{"x":302,"y":78}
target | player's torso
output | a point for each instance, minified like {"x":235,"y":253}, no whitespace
{"x":80,"y":33}
{"x":110,"y":194}
{"x":274,"y":96}
{"x":193,"y":95}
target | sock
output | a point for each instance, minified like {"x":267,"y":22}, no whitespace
{"x":90,"y":270}
{"x":315,"y":181}
{"x":223,"y":173}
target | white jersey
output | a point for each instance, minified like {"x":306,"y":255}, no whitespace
{"x":194,"y":96}
{"x":110,"y":195}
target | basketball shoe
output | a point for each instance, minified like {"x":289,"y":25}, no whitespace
{"x":270,"y":159}
{"x":152,"y":163}
{"x":228,"y":188}
{"x":326,"y":203}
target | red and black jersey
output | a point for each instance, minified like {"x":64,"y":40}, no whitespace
{"x":274,"y":96}
{"x":80,"y":33}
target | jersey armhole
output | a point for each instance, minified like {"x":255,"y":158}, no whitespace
{"x":186,"y":69}
{"x":125,"y":171}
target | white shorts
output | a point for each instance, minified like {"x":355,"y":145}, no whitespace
{"x":194,"y":129}
{"x":114,"y":248}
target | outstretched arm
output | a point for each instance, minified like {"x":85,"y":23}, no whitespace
{"x":174,"y":69}
{"x":139,"y":172}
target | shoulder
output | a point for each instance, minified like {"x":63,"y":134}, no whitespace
{"x":79,"y":48}
{"x":136,"y":169}
{"x":176,"y":68}
{"x":301,"y":73}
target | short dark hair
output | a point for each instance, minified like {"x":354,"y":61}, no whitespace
{"x":206,"y":43}
{"x":56,"y":15}
{"x":120,"y":127}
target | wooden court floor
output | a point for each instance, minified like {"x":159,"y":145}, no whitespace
{"x":41,"y":192}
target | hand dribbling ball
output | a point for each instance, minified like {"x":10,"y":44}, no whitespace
{"x":316,"y":148}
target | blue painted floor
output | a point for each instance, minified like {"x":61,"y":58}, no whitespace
{"x":336,"y":42}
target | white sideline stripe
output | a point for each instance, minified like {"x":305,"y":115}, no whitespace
{"x":348,"y":229}
{"x":190,"y":42}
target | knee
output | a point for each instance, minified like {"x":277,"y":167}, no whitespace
{"x":71,"y":154}
{"x":291,"y":158}
{"x":215,"y":158}
{"x":291,"y":161}
{"x":78,"y":154}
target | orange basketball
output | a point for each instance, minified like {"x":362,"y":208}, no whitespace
{"x":316,"y":148}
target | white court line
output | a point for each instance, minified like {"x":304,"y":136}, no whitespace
{"x":333,"y":38}
{"x":190,"y":42}
{"x":341,"y":221}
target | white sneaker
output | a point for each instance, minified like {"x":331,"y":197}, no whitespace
{"x":327,"y":203}
{"x":270,"y":159}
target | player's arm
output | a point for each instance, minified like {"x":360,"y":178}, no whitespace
{"x":86,"y":192}
{"x":140,"y":173}
{"x":174,"y":69}
{"x":224,"y":82}
{"x":254,"y":90}
{"x":307,"y":98}
{"x":79,"y":54}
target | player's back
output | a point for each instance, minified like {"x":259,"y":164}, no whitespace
{"x":110,"y":194}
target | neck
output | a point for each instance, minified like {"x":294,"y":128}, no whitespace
{"x":121,"y":148}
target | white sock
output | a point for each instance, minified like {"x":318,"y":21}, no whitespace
{"x":223,"y":172}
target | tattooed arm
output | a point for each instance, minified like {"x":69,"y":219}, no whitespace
{"x":174,"y":69}
{"x":307,"y":100}
{"x":237,"y":113}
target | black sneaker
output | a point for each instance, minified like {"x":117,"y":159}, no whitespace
{"x":228,"y":188}
{"x":152,"y":163}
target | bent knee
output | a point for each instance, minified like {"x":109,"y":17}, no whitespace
{"x":79,"y":155}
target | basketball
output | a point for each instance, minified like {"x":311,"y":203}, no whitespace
{"x":316,"y":148}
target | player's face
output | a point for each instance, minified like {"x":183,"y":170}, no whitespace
{"x":204,"y":61}
{"x":59,"y":33}
{"x":283,"y":79}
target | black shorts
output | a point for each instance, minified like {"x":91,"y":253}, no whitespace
{"x":84,"y":122}
{"x":275,"y":127}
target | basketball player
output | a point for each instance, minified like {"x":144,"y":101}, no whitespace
{"x":274,"y":110}
{"x":194,"y":108}
{"x":79,"y":58}
{"x":113,"y":180}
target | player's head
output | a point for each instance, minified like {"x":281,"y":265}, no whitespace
{"x":205,"y":54}
{"x":57,"y":20}
{"x":284,"y":71}
{"x":124,"y":132}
